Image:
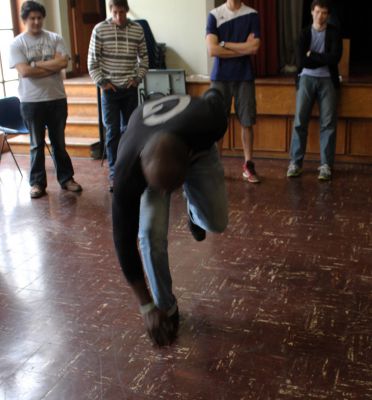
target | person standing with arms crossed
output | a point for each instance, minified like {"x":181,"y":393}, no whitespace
{"x":39,"y":56}
{"x":233,"y":34}
{"x":117,"y":63}
{"x":318,"y":53}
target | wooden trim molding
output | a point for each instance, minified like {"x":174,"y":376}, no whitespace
{"x":17,"y":21}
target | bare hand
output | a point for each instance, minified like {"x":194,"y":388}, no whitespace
{"x":109,"y":86}
{"x":131,"y":83}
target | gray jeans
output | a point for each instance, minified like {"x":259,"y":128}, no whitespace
{"x":322,"y":90}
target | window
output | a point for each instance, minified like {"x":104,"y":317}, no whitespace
{"x":8,"y":77}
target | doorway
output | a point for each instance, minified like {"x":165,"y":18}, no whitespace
{"x":83,"y":16}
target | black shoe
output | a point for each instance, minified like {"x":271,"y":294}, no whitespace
{"x":175,"y":321}
{"x":197,"y":232}
{"x":172,"y":326}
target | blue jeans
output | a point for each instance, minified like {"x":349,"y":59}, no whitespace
{"x":117,"y":107}
{"x":205,"y":192}
{"x":323,"y":91}
{"x":53,"y":115}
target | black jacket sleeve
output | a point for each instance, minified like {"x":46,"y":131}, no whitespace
{"x":303,"y":46}
{"x":331,"y":56}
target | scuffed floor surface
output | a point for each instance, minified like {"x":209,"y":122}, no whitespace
{"x":278,"y":307}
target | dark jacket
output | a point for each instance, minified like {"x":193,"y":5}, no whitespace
{"x":331,"y":56}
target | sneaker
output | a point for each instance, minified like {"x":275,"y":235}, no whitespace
{"x":293,"y":170}
{"x":37,"y":191}
{"x":72,"y":186}
{"x":249,"y":173}
{"x":197,"y":232}
{"x":325,"y":173}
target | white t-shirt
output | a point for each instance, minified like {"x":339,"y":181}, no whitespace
{"x":26,"y":48}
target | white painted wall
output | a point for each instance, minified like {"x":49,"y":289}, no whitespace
{"x":181,"y":25}
{"x":57,"y":20}
{"x":178,"y":23}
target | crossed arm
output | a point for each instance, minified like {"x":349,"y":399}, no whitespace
{"x":41,"y":69}
{"x":232,"y":49}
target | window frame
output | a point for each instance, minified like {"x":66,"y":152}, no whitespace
{"x":16,"y":28}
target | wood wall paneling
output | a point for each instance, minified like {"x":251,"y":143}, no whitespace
{"x":275,"y":112}
{"x":227,"y":139}
{"x":236,"y":134}
{"x":360,"y":138}
{"x":274,"y":99}
{"x":355,"y":101}
{"x":270,"y":134}
{"x":196,"y":88}
{"x":344,"y":64}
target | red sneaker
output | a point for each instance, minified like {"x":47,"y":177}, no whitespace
{"x":249,"y":173}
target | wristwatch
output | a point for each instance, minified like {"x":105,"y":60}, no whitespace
{"x":222,"y":43}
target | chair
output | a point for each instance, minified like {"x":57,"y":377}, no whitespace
{"x":161,"y":82}
{"x":11,"y":123}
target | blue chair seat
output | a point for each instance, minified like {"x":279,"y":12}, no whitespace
{"x":11,"y":123}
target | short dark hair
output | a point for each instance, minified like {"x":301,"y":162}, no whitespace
{"x":322,"y":4}
{"x":119,"y":3}
{"x":29,"y":6}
